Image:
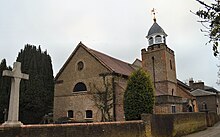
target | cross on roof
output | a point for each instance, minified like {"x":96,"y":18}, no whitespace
{"x":154,"y":14}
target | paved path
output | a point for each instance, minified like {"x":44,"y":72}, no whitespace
{"x":209,"y":132}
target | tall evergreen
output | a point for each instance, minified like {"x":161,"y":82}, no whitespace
{"x":36,"y":94}
{"x":5,"y":86}
{"x":139,"y":95}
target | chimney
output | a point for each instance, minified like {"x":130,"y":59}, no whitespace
{"x":199,"y":85}
{"x":196,"y":85}
{"x":191,"y":83}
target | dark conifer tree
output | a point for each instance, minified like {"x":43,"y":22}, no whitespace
{"x":5,"y":87}
{"x":36,"y":94}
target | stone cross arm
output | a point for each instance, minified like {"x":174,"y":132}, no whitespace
{"x":11,"y":74}
{"x":16,"y":72}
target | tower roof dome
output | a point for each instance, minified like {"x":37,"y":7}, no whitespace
{"x":155,"y":29}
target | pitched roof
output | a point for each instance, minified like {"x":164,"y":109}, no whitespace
{"x":183,"y":84}
{"x":184,"y":87}
{"x":137,"y":63}
{"x":200,"y":92}
{"x":211,"y":89}
{"x":112,"y":64}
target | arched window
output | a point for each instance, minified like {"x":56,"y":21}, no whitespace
{"x":158,"y":39}
{"x":70,"y":114}
{"x":88,"y":113}
{"x":151,"y":41}
{"x":80,"y":87}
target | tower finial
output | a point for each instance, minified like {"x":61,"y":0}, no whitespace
{"x":154,"y":14}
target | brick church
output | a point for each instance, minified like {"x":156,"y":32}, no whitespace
{"x":85,"y":68}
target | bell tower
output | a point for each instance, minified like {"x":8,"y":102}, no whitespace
{"x":159,"y":61}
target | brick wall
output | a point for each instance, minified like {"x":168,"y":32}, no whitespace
{"x":157,"y":125}
{"x":78,"y":102}
{"x":167,"y":108}
{"x":164,"y":104}
{"x":64,"y":97}
{"x":211,"y":118}
{"x":210,"y":101}
{"x":105,"y":129}
{"x":120,"y":86}
{"x":172,"y":125}
{"x":161,"y":59}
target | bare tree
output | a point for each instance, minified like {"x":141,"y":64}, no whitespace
{"x":210,"y":16}
{"x":103,"y":99}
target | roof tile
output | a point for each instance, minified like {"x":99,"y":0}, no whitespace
{"x":114,"y":64}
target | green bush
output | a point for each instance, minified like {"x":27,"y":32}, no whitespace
{"x":139,"y":95}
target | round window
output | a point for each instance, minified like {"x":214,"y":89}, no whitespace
{"x":80,"y":65}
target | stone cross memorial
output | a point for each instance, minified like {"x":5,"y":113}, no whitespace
{"x":14,"y":95}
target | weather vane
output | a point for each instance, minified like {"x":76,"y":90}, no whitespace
{"x":153,"y":11}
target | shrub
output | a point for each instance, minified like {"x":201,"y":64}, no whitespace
{"x":139,"y":95}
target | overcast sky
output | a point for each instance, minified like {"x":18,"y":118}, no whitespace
{"x":115,"y":27}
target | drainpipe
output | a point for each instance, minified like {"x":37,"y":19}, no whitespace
{"x":217,"y":103}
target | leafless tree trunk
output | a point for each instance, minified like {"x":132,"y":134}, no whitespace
{"x":103,"y":99}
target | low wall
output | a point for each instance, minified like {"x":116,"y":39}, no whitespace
{"x":186,"y":123}
{"x":104,"y":129}
{"x":175,"y":125}
{"x":157,"y":125}
{"x":212,"y":118}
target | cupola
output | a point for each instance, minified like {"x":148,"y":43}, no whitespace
{"x":156,"y":34}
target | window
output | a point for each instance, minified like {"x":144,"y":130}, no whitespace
{"x":70,"y":114}
{"x":88,"y":113}
{"x":164,"y":39}
{"x":80,"y":65}
{"x":158,"y":39}
{"x":172,"y":92}
{"x":150,"y":40}
{"x":171,"y":67}
{"x":173,"y":109}
{"x":80,"y":87}
{"x":204,"y":106}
